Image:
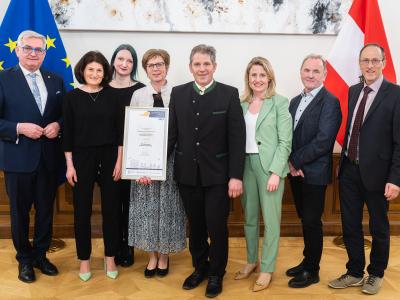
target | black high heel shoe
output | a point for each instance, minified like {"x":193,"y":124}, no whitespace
{"x":150,"y":273}
{"x":163,"y":272}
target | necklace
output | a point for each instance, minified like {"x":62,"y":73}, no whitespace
{"x":95,"y":97}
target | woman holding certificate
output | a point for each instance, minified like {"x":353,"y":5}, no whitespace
{"x":92,"y":142}
{"x":268,"y":145}
{"x":124,"y":64}
{"x":156,"y":215}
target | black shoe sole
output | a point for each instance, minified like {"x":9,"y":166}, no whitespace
{"x":27,"y":280}
{"x":46,"y":273}
{"x":149,"y":273}
{"x":299,"y":286}
{"x":213,"y":295}
{"x":162,"y":272}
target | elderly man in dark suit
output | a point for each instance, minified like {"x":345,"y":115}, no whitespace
{"x":316,"y":118}
{"x":30,"y":120}
{"x":207,"y":128}
{"x":369,"y":170}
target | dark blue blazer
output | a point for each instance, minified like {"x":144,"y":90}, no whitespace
{"x":379,"y":141}
{"x":314,"y":137}
{"x":17,"y":105}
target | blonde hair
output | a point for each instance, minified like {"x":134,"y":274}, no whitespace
{"x":266,"y":65}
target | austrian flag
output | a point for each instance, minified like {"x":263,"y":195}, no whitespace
{"x":363,"y":25}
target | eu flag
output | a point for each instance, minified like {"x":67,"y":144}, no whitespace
{"x":34,"y":15}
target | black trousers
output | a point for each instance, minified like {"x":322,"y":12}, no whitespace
{"x":353,"y":195}
{"x":23,"y":190}
{"x":124,"y":192}
{"x":207,"y":210}
{"x":95,"y":164}
{"x":309,"y":200}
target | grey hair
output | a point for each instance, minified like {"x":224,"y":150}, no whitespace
{"x":204,"y":49}
{"x":30,"y":34}
{"x":315,"y":56}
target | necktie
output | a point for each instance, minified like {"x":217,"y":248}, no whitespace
{"x":355,"y":132}
{"x":158,"y":101}
{"x":35,"y":92}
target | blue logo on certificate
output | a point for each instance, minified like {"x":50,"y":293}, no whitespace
{"x":157,"y":114}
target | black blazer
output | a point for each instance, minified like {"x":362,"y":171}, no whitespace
{"x":17,"y":105}
{"x":208,"y":133}
{"x":379,"y":141}
{"x":314,"y":137}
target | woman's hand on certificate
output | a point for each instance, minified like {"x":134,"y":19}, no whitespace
{"x":144,"y":180}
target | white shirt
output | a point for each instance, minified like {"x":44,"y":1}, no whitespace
{"x":251,"y":120}
{"x":144,"y":97}
{"x":202,"y":89}
{"x":39,"y":82}
{"x":304,"y":102}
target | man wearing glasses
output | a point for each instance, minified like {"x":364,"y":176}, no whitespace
{"x":30,"y":120}
{"x":369,"y":170}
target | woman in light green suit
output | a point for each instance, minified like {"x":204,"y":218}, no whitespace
{"x":268,"y":144}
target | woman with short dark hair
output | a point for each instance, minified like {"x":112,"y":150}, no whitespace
{"x":92,"y":139}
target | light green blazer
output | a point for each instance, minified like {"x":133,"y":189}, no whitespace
{"x":273,"y":134}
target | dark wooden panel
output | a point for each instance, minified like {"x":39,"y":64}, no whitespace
{"x":290,"y":225}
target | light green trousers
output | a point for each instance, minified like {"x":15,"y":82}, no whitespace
{"x":256,"y":196}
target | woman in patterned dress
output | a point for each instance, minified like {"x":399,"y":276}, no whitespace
{"x":156,"y":215}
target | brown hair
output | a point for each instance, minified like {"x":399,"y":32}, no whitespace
{"x":89,"y":57}
{"x":151,"y":53}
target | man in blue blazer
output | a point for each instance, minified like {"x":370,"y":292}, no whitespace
{"x":369,"y":170}
{"x":316,"y":119}
{"x":30,"y":121}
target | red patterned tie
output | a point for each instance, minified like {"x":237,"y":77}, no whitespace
{"x":355,"y":132}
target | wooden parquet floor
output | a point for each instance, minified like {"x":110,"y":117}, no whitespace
{"x":131,"y":283}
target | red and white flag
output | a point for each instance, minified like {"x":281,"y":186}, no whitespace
{"x":363,"y":25}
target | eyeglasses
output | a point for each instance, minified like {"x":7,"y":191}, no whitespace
{"x":374,"y":61}
{"x":156,"y":65}
{"x":30,"y":50}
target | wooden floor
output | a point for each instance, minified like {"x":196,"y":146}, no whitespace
{"x":131,"y":283}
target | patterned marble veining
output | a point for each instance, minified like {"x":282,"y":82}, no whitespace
{"x":241,"y":16}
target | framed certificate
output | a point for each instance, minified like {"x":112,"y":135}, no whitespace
{"x":145,"y":143}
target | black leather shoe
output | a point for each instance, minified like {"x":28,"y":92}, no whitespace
{"x":214,"y":286}
{"x":125,"y":258}
{"x":163,"y":272}
{"x":26,"y":273}
{"x":45,"y":266}
{"x":304,"y":279}
{"x":292,"y":272}
{"x":194,"y":279}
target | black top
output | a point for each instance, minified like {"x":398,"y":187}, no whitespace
{"x":91,"y":119}
{"x":125,"y":94}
